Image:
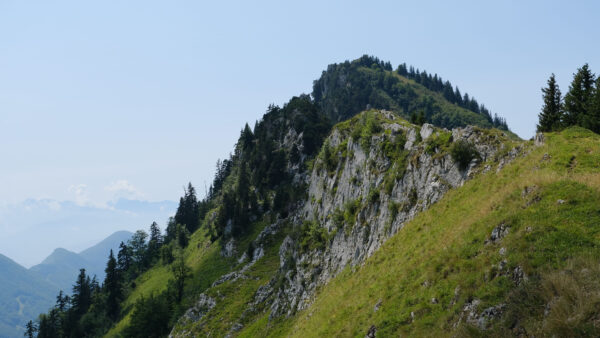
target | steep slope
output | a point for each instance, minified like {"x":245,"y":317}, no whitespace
{"x":292,"y":207}
{"x":512,"y":252}
{"x":23,"y":295}
{"x":62,"y":266}
{"x":374,"y":173}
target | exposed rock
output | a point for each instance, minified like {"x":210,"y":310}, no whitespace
{"x":434,"y":300}
{"x":359,"y":175}
{"x":425,"y":181}
{"x":518,"y":276}
{"x":426,"y":130}
{"x":560,"y":201}
{"x":498,"y":233}
{"x":539,"y":139}
{"x":502,"y":251}
{"x":473,"y":317}
{"x":372,"y":332}
{"x":229,"y":250}
{"x":377,"y":306}
{"x":194,"y":314}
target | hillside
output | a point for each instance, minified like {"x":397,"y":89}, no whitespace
{"x":512,"y":251}
{"x":297,"y":202}
{"x":23,"y":296}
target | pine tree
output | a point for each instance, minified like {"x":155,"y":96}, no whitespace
{"x":154,"y":243}
{"x":592,"y":119}
{"x":579,"y":96}
{"x":62,"y":301}
{"x":551,"y":115}
{"x":30,"y":329}
{"x":124,"y":258}
{"x":187,"y":211}
{"x":112,"y":286}
{"x":82,"y":294}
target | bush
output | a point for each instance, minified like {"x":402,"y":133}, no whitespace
{"x":313,"y":236}
{"x":463,"y":153}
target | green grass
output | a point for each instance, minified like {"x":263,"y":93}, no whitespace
{"x":442,"y":254}
{"x":205,"y":262}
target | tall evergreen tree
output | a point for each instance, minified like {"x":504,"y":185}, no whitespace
{"x":30,"y":329}
{"x":592,"y":119}
{"x":138,"y":249}
{"x":187,"y":211}
{"x":154,"y":243}
{"x":82,"y":294}
{"x":551,"y":115}
{"x":578,"y":99}
{"x":112,"y":286}
{"x":124,"y":257}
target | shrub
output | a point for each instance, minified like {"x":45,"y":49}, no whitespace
{"x":463,"y":153}
{"x":313,"y":236}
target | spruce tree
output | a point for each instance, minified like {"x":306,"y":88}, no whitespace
{"x":124,"y":258}
{"x":551,"y":115}
{"x":592,"y":119}
{"x":112,"y":286}
{"x":154,"y":243}
{"x":30,"y":329}
{"x":579,"y":96}
{"x":82,"y":294}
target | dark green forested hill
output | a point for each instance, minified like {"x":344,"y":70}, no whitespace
{"x":347,"y":88}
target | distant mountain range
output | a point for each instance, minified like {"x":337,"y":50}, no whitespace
{"x":25,"y":293}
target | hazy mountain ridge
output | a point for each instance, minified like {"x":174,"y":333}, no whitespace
{"x":25,"y":293}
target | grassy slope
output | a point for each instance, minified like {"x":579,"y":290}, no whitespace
{"x":206,"y":263}
{"x":557,"y":245}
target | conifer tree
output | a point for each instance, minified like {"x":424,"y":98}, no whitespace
{"x":551,"y":115}
{"x":30,"y":329}
{"x":154,"y":243}
{"x":82,"y":294}
{"x":579,"y":96}
{"x":112,"y":286}
{"x":592,"y":119}
{"x":124,"y":257}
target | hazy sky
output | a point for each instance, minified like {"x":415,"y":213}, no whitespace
{"x":105,"y":99}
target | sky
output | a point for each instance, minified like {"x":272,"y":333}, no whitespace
{"x":108,"y":100}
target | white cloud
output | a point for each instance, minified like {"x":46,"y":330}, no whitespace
{"x":122,"y":188}
{"x":81,"y":195}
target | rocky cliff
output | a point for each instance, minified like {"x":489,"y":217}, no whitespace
{"x":374,"y":173}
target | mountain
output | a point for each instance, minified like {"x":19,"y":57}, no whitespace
{"x":336,"y":216}
{"x":23,"y":295}
{"x":97,"y":255}
{"x":62,"y":266}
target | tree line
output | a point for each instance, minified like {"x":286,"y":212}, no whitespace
{"x":579,"y":107}
{"x":450,"y":93}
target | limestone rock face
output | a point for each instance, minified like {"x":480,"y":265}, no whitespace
{"x":374,"y":185}
{"x":383,"y":211}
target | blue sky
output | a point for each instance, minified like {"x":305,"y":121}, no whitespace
{"x":101,"y":100}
